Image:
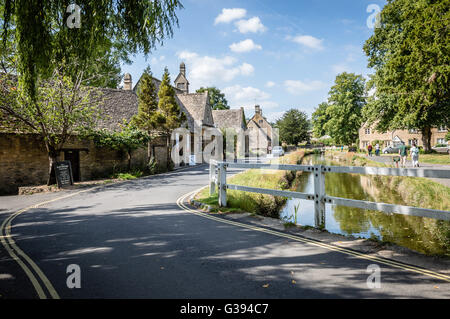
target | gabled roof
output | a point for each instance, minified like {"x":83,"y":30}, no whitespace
{"x":230,"y":119}
{"x":197,"y":109}
{"x":181,"y":78}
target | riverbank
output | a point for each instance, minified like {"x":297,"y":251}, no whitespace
{"x":260,"y":204}
{"x":415,"y":191}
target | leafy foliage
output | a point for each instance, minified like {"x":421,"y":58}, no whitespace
{"x":117,"y":27}
{"x":410,"y":55}
{"x":345,"y":103}
{"x":168,"y":106}
{"x":149,"y":118}
{"x":319,"y":118}
{"x":128,"y":139}
{"x":293,"y":127}
{"x":217,"y":99}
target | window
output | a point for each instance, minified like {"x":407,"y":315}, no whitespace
{"x":365,"y":143}
{"x":387,"y":143}
{"x":410,"y":142}
{"x":261,"y":121}
{"x":367,"y":131}
{"x":413,"y":131}
{"x":180,"y":85}
{"x":441,"y":141}
{"x":442,"y":129}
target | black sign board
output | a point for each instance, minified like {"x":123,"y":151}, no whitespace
{"x":64,"y":175}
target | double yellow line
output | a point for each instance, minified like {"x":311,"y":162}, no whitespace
{"x":30,"y":268}
{"x":33,"y":272}
{"x":379,"y":260}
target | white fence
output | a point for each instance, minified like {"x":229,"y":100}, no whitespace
{"x":218,"y":177}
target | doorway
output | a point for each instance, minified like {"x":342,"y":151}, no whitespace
{"x":74,"y":157}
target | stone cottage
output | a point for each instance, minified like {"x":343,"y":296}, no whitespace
{"x":260,"y":133}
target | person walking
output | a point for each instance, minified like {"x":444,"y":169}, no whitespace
{"x":415,"y":155}
{"x":377,"y":149}
{"x":403,"y":153}
{"x":369,"y":149}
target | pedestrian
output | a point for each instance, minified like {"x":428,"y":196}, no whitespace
{"x":415,"y":155}
{"x":403,"y":153}
{"x":369,"y":149}
{"x":377,"y":149}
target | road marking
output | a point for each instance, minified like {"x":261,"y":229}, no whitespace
{"x":17,"y":254}
{"x":396,"y":264}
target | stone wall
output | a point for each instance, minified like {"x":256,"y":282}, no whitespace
{"x":24,"y":160}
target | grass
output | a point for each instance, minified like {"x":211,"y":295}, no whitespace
{"x":443,"y":159}
{"x":261,"y":204}
{"x":414,"y":191}
{"x":128,"y":175}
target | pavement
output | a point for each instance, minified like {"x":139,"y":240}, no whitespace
{"x":133,"y":240}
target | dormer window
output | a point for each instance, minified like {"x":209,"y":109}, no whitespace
{"x":181,"y":86}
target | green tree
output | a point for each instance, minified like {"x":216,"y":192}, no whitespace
{"x":293,"y":127}
{"x":128,"y":139}
{"x":63,"y":109}
{"x":44,"y":36}
{"x":318,"y":119}
{"x":345,"y":102}
{"x":148,"y":118}
{"x":410,"y":55}
{"x":217,"y":99}
{"x":169,"y":108}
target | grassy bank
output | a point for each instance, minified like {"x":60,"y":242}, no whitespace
{"x":261,"y":204}
{"x":414,"y":191}
{"x":443,"y":159}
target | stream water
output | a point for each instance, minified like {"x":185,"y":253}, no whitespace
{"x":425,"y":235}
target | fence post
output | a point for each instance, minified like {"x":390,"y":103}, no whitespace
{"x":319,"y":196}
{"x":212,"y":177}
{"x":222,"y":185}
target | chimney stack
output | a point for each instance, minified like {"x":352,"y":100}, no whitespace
{"x":127,"y":82}
{"x":258,"y":110}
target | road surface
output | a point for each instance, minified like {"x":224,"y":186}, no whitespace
{"x":132,"y":240}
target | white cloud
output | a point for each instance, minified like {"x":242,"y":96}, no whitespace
{"x":207,"y":71}
{"x":270,"y":84}
{"x":252,"y":25}
{"x":245,"y":46}
{"x":299,"y":87}
{"x":308,"y":41}
{"x":229,"y":15}
{"x":157,"y":60}
{"x":247,"y":97}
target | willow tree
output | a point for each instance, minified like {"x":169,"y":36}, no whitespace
{"x":410,"y":54}
{"x":49,"y":41}
{"x":169,"y":108}
{"x":45,"y":32}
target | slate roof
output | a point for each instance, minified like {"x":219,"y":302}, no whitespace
{"x":229,"y":119}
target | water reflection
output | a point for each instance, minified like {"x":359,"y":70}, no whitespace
{"x":425,"y":235}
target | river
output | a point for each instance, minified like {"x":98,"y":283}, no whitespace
{"x":425,"y":235}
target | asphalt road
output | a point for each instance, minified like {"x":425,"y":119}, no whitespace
{"x":132,"y":240}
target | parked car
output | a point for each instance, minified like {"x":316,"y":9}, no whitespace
{"x":277,"y":151}
{"x":390,"y":150}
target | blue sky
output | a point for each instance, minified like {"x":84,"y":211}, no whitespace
{"x":278,"y":54}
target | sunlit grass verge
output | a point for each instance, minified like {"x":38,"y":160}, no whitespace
{"x":414,"y":191}
{"x":261,"y":204}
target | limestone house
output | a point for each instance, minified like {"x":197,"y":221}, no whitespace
{"x":232,"y":119}
{"x":24,"y":160}
{"x":260,"y":132}
{"x":195,"y":106}
{"x":367,"y":134}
